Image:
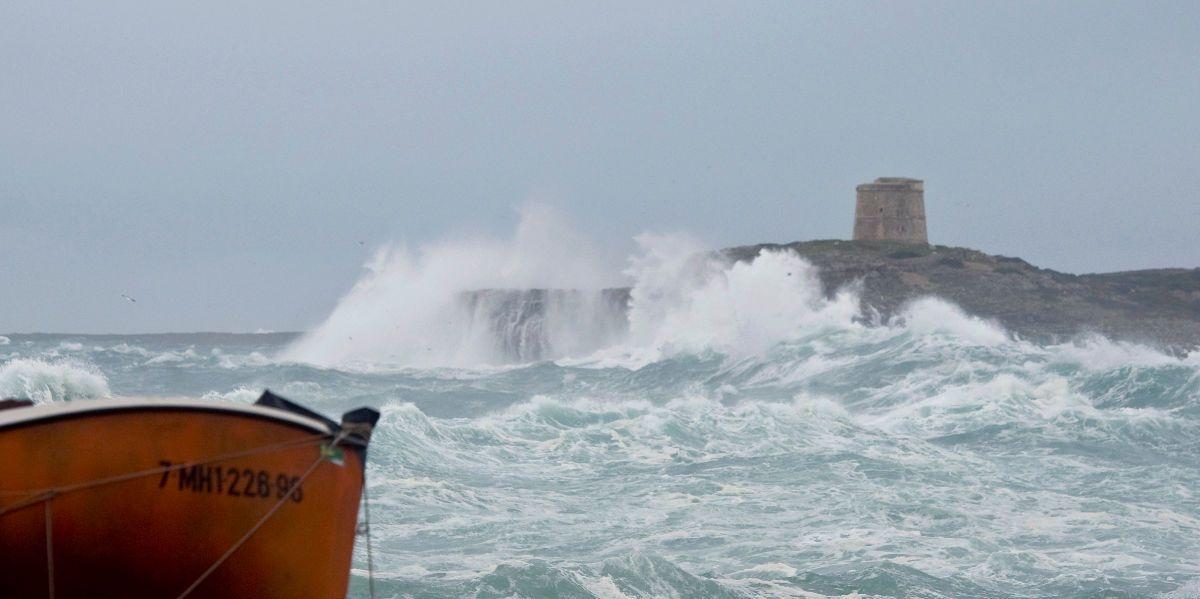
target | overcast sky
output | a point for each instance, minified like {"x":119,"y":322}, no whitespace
{"x":221,"y":161}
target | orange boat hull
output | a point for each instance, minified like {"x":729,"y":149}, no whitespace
{"x":156,"y":533}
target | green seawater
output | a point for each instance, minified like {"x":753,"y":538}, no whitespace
{"x":890,"y":461}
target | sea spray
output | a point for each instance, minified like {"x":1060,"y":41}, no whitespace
{"x":44,"y":382}
{"x":684,"y":301}
{"x":408,"y":309}
{"x":429,"y":310}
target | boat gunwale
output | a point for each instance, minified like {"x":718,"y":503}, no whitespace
{"x":18,"y":417}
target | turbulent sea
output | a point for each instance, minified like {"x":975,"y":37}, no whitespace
{"x":745,"y":435}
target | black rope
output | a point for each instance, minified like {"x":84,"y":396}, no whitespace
{"x":257,"y":525}
{"x":50,"y":545}
{"x":45,"y":495}
{"x":367,"y":521}
{"x":35,"y":496}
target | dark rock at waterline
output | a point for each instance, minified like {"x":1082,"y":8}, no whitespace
{"x":528,"y":325}
{"x":1159,"y":307}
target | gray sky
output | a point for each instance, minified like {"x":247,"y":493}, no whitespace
{"x":220,"y":161}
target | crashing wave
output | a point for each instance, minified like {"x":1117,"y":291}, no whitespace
{"x":45,"y":382}
{"x":463,"y":305}
{"x":528,"y":325}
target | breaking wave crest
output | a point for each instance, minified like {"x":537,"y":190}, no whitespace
{"x":44,"y":382}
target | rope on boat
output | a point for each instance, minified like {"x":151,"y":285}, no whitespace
{"x":50,"y":545}
{"x":258,"y":525}
{"x":35,"y":496}
{"x":47,"y":494}
{"x":367,"y":521}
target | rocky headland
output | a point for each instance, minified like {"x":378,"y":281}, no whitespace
{"x":1160,"y":307}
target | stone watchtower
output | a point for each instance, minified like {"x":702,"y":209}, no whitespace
{"x":891,"y":209}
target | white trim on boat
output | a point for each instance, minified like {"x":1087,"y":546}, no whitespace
{"x":24,"y":415}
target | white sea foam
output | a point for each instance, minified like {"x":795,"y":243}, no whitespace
{"x":239,"y":395}
{"x":4,"y":340}
{"x":857,"y":496}
{"x":774,"y":570}
{"x":125,"y":348}
{"x":935,"y":315}
{"x":681,"y":305}
{"x":1189,"y":590}
{"x":684,"y":301}
{"x":1095,"y":352}
{"x":174,"y":357}
{"x":406,"y":310}
{"x":45,"y":382}
{"x":250,"y":360}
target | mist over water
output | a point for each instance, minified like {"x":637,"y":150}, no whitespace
{"x":720,"y":430}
